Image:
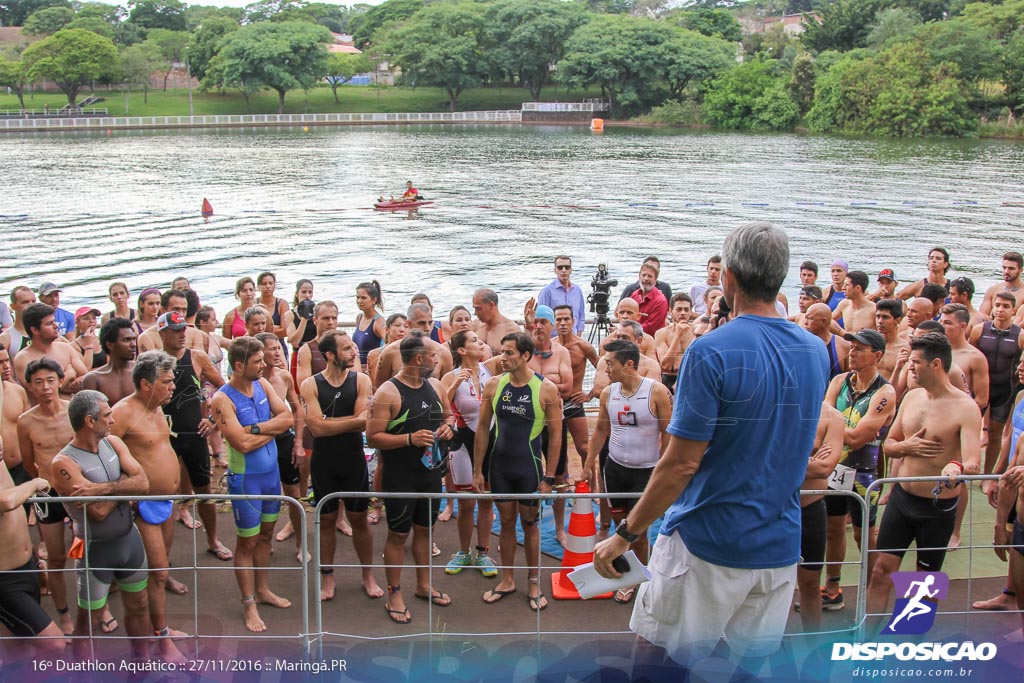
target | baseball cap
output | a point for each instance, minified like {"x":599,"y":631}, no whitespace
{"x":842,"y":264}
{"x":48,"y":288}
{"x":87,"y":309}
{"x":544,"y":312}
{"x":887,"y":274}
{"x":170,"y":321}
{"x":870,"y":337}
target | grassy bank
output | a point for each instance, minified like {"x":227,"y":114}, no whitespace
{"x":319,"y":100}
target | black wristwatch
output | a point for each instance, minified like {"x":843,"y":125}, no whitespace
{"x":254,"y":429}
{"x":623,"y":531}
{"x":550,"y":481}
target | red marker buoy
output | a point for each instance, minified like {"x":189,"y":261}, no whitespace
{"x":207,"y":207}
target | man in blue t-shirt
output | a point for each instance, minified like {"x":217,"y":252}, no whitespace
{"x":747,"y":405}
{"x":49,"y":294}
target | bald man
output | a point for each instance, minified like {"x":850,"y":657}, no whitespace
{"x":918,"y":310}
{"x":817,"y":321}
{"x":629,"y":309}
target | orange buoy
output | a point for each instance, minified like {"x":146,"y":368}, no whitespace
{"x":597,"y":124}
{"x":207,"y":207}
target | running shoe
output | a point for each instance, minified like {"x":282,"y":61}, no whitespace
{"x":832,"y":603}
{"x":485,"y":565}
{"x":459,"y":560}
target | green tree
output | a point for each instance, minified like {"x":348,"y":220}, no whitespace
{"x":1013,"y":72}
{"x":127,"y":33}
{"x":168,"y":14}
{"x":365,"y":25}
{"x":752,"y":96}
{"x":72,"y":58}
{"x":94,"y":24}
{"x":15,"y":12}
{"x":893,"y":24}
{"x":281,"y":56}
{"x":626,"y":56}
{"x":696,"y":59}
{"x":138,"y":62}
{"x":961,"y":43}
{"x":801,"y":82}
{"x":997,"y":20}
{"x":525,"y":37}
{"x":719,"y":23}
{"x":13,"y":75}
{"x":48,"y":20}
{"x":170,"y":45}
{"x":845,"y":25}
{"x":112,"y":14}
{"x":441,"y":46}
{"x":343,"y":67}
{"x":205,"y":41}
{"x":198,"y":15}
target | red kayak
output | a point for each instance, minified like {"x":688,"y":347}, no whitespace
{"x":398,"y":206}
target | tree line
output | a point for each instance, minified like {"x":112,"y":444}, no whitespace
{"x":890,"y":67}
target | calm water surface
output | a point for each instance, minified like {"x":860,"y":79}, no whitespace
{"x":85,"y":209}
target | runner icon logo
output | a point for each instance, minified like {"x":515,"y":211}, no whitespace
{"x":914,"y":612}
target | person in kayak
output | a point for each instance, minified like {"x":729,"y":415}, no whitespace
{"x":411,"y":194}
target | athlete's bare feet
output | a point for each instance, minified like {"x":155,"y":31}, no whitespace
{"x":185,"y":517}
{"x":286,"y":532}
{"x":66,"y":625}
{"x":445,"y":514}
{"x":561,"y":537}
{"x":327,"y":588}
{"x":269,"y":598}
{"x":168,"y":652}
{"x":343,"y":526}
{"x":298,"y":556}
{"x":175,"y":586}
{"x":253,"y":621}
{"x":954,"y":541}
{"x":370,"y":587}
{"x":1000,"y":603}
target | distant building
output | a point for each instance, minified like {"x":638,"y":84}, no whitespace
{"x":792,"y":24}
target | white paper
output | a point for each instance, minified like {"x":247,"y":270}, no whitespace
{"x":589,"y":583}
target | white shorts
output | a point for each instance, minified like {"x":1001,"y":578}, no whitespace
{"x":461,"y":468}
{"x":689,"y":604}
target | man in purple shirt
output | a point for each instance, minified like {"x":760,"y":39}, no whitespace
{"x":562,"y":292}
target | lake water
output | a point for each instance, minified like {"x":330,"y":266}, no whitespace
{"x":85,"y":209}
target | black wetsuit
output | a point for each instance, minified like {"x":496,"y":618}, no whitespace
{"x":338,"y":463}
{"x":185,"y":413}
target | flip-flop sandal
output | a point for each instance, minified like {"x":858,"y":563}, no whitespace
{"x":538,"y":602}
{"x":106,"y":626}
{"x":494,"y":595}
{"x":625,"y":596}
{"x":393,"y":612}
{"x":222,"y":553}
{"x":440,"y":599}
{"x":435,"y":551}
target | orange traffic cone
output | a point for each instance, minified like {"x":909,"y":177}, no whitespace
{"x":207,"y":207}
{"x":579,"y":546}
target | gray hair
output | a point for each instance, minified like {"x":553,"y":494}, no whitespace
{"x":84,"y":404}
{"x":255,"y":310}
{"x":150,"y":365}
{"x":487,"y":296}
{"x":420,"y":308}
{"x":757,"y":256}
{"x":635,"y":328}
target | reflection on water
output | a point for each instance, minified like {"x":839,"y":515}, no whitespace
{"x":85,"y":209}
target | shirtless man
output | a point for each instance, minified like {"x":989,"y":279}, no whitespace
{"x":828,"y":447}
{"x":290,"y":452}
{"x":141,"y":424}
{"x":817,"y":321}
{"x":1013,"y":264}
{"x":20,"y":611}
{"x":671,"y":341}
{"x":629,"y":309}
{"x":938,"y":264}
{"x":114,"y":380}
{"x":491,"y":325}
{"x":390,"y":362}
{"x":954,"y":320}
{"x":630,"y":331}
{"x":15,"y":338}
{"x":176,"y":301}
{"x":552,"y":362}
{"x":960,"y":292}
{"x":44,"y":335}
{"x":888,"y":313}
{"x":903,"y":380}
{"x":918,"y":310}
{"x":809,"y":295}
{"x":856,"y":311}
{"x":15,"y":402}
{"x":936,"y":433}
{"x":42,"y":432}
{"x":886,"y":285}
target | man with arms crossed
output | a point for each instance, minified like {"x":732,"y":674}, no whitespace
{"x":522,"y":403}
{"x":632,"y":418}
{"x":142,"y":425}
{"x":98,"y":464}
{"x":250,"y":414}
{"x":114,"y":380}
{"x":937,"y":433}
{"x":730,"y":465}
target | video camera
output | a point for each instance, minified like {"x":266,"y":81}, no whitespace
{"x":602,"y":288}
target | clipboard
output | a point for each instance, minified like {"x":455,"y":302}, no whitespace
{"x":590,"y":584}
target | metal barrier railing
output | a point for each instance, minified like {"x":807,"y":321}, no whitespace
{"x":193,"y":499}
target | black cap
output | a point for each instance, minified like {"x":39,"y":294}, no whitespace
{"x":870,"y":337}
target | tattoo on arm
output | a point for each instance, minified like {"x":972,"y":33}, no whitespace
{"x":64,"y":473}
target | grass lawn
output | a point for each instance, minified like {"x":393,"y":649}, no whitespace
{"x":319,"y":100}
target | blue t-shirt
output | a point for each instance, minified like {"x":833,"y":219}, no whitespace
{"x":753,"y":389}
{"x":65,"y":321}
{"x":251,"y":410}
